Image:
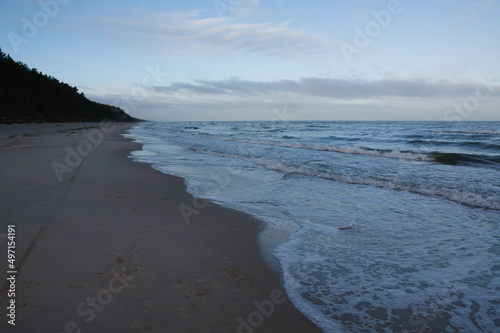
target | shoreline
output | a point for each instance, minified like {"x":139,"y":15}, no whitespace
{"x":114,"y":236}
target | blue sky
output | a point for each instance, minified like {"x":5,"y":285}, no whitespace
{"x":268,"y":60}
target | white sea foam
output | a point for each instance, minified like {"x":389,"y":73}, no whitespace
{"x":365,"y":285}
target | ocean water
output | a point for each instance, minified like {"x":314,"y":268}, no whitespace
{"x":393,"y":226}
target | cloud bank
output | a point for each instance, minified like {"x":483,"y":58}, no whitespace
{"x":325,"y":87}
{"x":320,"y":99}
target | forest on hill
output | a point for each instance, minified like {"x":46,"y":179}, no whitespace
{"x":26,"y":95}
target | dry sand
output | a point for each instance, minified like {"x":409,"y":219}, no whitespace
{"x":107,"y":249}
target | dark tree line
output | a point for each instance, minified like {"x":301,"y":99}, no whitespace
{"x":26,"y":95}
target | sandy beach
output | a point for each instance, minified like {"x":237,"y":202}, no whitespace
{"x":102,"y":246}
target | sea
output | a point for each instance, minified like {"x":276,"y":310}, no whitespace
{"x":375,"y":226}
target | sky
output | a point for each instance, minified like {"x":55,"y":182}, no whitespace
{"x":213,"y":60}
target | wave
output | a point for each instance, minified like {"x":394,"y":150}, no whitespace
{"x":461,"y":197}
{"x":307,"y":126}
{"x":465,"y":132}
{"x":429,"y":142}
{"x":408,"y":155}
{"x":473,"y":144}
{"x":440,"y":157}
{"x":465,"y":159}
{"x":333,"y":138}
{"x":291,"y":172}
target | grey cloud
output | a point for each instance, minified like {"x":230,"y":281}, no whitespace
{"x":329,"y":88}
